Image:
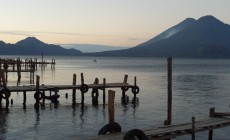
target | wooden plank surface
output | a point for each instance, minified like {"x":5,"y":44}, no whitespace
{"x":172,"y":130}
{"x":19,"y":70}
{"x":64,"y":87}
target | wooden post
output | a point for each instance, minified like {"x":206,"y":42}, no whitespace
{"x":36,"y":63}
{"x":25,"y":64}
{"x":37,"y":89}
{"x":95,"y":93}
{"x":211,"y":114}
{"x":169,"y":118}
{"x":104,"y":83}
{"x":18,"y":71}
{"x":193,"y":128}
{"x":74,"y":90}
{"x":111,"y":98}
{"x":82,"y":93}
{"x":135,"y":84}
{"x":123,"y":98}
{"x":37,"y":82}
{"x":24,"y":97}
{"x":125,"y":79}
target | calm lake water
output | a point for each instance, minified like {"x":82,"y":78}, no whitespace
{"x":198,"y":84}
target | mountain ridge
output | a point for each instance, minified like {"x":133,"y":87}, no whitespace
{"x":207,"y":37}
{"x":33,"y":46}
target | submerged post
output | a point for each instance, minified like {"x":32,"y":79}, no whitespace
{"x":74,"y":90}
{"x":104,"y":82}
{"x":82,"y":93}
{"x":211,"y":114}
{"x":111,"y":105}
{"x":24,"y":97}
{"x":135,"y":84}
{"x":193,"y":128}
{"x":124,"y":98}
{"x":169,"y":115}
{"x":37,"y":90}
{"x":95,"y":93}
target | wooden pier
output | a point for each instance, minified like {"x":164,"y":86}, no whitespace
{"x":171,"y":131}
{"x":28,"y":65}
{"x":39,"y":90}
{"x":112,"y":131}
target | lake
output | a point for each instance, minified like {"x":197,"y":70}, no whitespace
{"x":198,"y":84}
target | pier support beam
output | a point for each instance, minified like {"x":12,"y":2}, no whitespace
{"x":169,"y":116}
{"x":124,"y":98}
{"x":104,"y":91}
{"x":24,"y":97}
{"x":82,"y":93}
{"x":111,"y":98}
{"x":37,"y":89}
{"x":74,"y":90}
{"x":211,"y":114}
{"x":95,"y":93}
{"x":193,"y":128}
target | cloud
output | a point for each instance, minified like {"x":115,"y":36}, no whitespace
{"x":35,"y":33}
{"x":21,"y":33}
{"x":136,"y":39}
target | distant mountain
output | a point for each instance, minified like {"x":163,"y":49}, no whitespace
{"x":171,"y":31}
{"x":206,"y":37}
{"x":87,"y":48}
{"x":33,"y":46}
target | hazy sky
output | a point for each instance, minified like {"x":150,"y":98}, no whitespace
{"x":107,"y":22}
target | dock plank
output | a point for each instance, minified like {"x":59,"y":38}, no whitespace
{"x":65,"y":87}
{"x":171,"y":131}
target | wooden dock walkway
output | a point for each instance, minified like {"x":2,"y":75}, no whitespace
{"x":30,"y":65}
{"x":39,"y":90}
{"x":172,"y":131}
{"x":65,"y":87}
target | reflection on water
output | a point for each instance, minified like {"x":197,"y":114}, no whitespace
{"x":37,"y":118}
{"x":197,"y":86}
{"x":3,"y":123}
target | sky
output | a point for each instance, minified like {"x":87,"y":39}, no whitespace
{"x":104,"y":22}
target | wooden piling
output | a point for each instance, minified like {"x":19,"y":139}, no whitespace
{"x":104,"y":91}
{"x":211,"y":114}
{"x":125,"y":79}
{"x":24,"y":97}
{"x":74,"y":90}
{"x":111,"y":98}
{"x":95,"y":93}
{"x":37,"y":89}
{"x":82,"y":93}
{"x":43,"y":100}
{"x":123,"y":98}
{"x":193,"y":128}
{"x":135,"y":84}
{"x":37,"y":82}
{"x":169,"y":117}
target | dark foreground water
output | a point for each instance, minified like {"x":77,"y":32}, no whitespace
{"x":198,"y":84}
